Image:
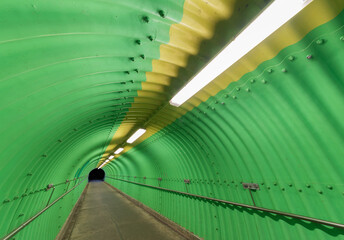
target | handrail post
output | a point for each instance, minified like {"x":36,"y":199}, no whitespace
{"x":50,"y":186}
{"x":67,"y":185}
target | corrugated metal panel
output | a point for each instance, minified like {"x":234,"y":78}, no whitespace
{"x":70,"y":70}
{"x":279,"y":126}
{"x":74,"y":73}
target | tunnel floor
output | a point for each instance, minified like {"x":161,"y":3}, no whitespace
{"x":105,"y":214}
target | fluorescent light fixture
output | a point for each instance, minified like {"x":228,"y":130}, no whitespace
{"x":272,"y":18}
{"x":107,"y":160}
{"x":111,"y":157}
{"x":136,"y":135}
{"x":118,"y":151}
{"x":103,"y":164}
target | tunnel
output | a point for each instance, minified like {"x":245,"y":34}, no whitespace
{"x":213,"y":119}
{"x":96,"y":175}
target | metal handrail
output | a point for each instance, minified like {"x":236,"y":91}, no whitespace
{"x":310,"y":219}
{"x":67,"y":181}
{"x":18,"y":229}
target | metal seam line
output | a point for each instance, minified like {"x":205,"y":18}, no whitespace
{"x":17,"y":230}
{"x":310,"y":219}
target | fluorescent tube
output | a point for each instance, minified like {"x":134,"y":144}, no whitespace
{"x":272,"y":18}
{"x":118,"y":151}
{"x":111,"y":157}
{"x":136,"y":135}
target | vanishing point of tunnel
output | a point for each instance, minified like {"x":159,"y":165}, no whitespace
{"x":171,"y":119}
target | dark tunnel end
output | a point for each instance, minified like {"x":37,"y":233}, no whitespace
{"x":96,"y":175}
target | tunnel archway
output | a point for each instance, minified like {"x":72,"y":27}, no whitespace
{"x":96,"y":175}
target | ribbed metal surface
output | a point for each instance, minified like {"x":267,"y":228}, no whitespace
{"x":78,"y":76}
{"x":205,"y":27}
{"x":69,"y":73}
{"x":279,"y":126}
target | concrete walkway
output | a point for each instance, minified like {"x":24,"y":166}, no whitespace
{"x":105,"y":215}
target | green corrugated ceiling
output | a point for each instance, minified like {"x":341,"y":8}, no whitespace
{"x":79,"y":77}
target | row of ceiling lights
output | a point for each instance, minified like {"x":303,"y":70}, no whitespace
{"x":130,"y":140}
{"x":271,"y":19}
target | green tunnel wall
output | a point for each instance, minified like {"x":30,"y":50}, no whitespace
{"x":66,"y":83}
{"x":65,"y":90}
{"x":279,"y":126}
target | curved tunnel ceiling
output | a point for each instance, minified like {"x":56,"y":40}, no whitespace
{"x":79,"y":77}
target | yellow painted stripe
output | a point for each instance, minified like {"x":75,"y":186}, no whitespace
{"x":198,"y":24}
